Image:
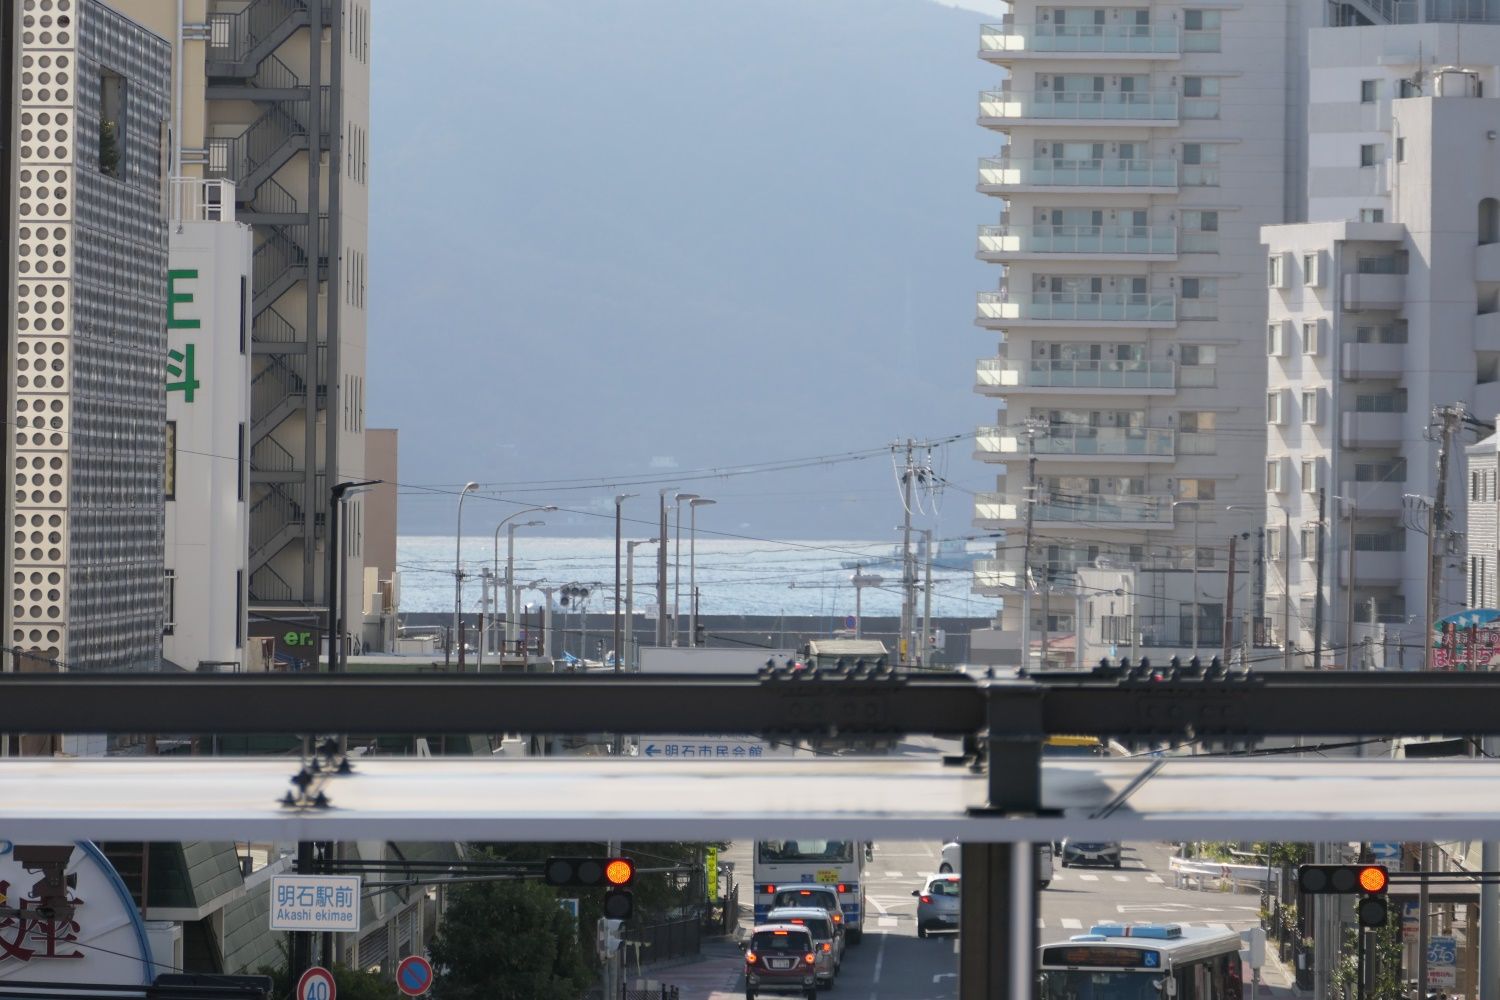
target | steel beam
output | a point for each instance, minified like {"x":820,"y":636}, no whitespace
{"x":997,"y":922}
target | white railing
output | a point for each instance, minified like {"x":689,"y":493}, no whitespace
{"x":1122,"y":38}
{"x":1050,"y":374}
{"x":1158,"y":442}
{"x":1078,"y":239}
{"x":999,"y":171}
{"x":1106,"y":509}
{"x":1081,"y":306}
{"x":1085,"y":105}
{"x":196,"y":200}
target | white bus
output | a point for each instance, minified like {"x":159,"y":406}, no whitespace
{"x":1142,"y":962}
{"x":836,"y":863}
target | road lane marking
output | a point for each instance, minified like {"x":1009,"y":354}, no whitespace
{"x":895,"y":875}
{"x":1122,"y":878}
{"x":1156,"y":878}
{"x":886,"y":921}
{"x":1072,"y":924}
{"x":1089,"y":878}
{"x":879,"y":961}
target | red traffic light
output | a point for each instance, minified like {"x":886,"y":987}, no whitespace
{"x":1373,"y":878}
{"x":1342,"y":879}
{"x":619,"y":871}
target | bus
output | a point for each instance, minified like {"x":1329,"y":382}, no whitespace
{"x":839,"y":863}
{"x":1142,"y":962}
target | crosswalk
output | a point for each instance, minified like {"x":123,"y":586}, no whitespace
{"x":1074,"y":924}
{"x":1062,"y":876}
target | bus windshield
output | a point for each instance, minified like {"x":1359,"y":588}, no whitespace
{"x":1090,"y":985}
{"x":784,"y":851}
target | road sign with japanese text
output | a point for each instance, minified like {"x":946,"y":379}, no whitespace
{"x":315,"y":903}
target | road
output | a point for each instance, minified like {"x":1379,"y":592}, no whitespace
{"x":893,"y":964}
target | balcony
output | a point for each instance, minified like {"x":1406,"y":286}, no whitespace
{"x":1375,"y":499}
{"x":1487,"y":332}
{"x":997,"y":376}
{"x":993,"y":577}
{"x":1123,"y":444}
{"x":993,"y":511}
{"x":1156,"y":310}
{"x":1372,"y":430}
{"x":1373,"y":569}
{"x":1374,"y":361}
{"x":1369,"y":291}
{"x":1002,"y":43}
{"x":998,"y":244}
{"x":1002,"y":175}
{"x":1001,"y":109}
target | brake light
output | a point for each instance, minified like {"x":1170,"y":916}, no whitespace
{"x":804,"y":892}
{"x":827,"y":946}
{"x":770,"y":888}
{"x":926,"y":898}
{"x":838,"y":918}
{"x":780,"y":933}
{"x":843,"y":887}
{"x":798,"y":920}
{"x":750,"y":957}
{"x":809,"y":958}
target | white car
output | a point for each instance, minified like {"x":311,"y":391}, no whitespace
{"x":953,"y":862}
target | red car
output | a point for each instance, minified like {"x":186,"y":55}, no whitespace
{"x":781,"y":959}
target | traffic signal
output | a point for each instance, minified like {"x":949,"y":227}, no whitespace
{"x":614,"y":873}
{"x":1369,"y":881}
{"x":619,"y":904}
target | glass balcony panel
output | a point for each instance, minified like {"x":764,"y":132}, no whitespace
{"x":1149,"y":39}
{"x":1082,"y":106}
{"x":1078,"y":239}
{"x":1200,"y":41}
{"x":1046,"y":172}
{"x":1124,"y":307}
{"x":1106,"y":509}
{"x":1198,"y":376}
{"x":1143,"y":441}
{"x":1045,"y":373}
{"x":993,"y":574}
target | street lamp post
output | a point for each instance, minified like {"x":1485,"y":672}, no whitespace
{"x":458,"y":579}
{"x":336,"y":587}
{"x":619,"y":501}
{"x":677,"y":566}
{"x":861,"y":580}
{"x":1193,"y":504}
{"x":508,"y":629}
{"x":1286,"y":585}
{"x":630,"y":588}
{"x":693,"y":506}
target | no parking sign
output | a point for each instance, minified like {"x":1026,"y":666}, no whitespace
{"x":414,"y":975}
{"x":317,"y":984}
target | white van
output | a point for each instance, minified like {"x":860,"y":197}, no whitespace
{"x":953,"y":858}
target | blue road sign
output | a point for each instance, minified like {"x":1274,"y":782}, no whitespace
{"x":414,"y":975}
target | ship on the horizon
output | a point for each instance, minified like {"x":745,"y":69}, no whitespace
{"x":952,"y":554}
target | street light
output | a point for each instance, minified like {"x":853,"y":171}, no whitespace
{"x":506,"y":633}
{"x":620,"y":499}
{"x":861,"y":580}
{"x":630,"y":588}
{"x":458,"y":578}
{"x":1286,"y":572}
{"x":677,"y":565}
{"x":693,"y":506}
{"x":1193,"y":504}
{"x":336,"y":588}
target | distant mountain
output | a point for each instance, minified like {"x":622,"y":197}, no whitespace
{"x":698,"y":232}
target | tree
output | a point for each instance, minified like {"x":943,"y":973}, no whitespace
{"x":508,"y":940}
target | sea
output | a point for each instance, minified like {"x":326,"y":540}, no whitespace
{"x":734,"y":576}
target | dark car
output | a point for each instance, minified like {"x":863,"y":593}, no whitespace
{"x":1090,"y":852}
{"x":781,"y":959}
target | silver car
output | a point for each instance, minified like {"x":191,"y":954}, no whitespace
{"x":937,"y":904}
{"x":828,"y":944}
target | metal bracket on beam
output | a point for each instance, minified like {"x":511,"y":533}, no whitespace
{"x":1014,"y":736}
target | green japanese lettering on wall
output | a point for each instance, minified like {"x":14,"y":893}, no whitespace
{"x":174,"y":297}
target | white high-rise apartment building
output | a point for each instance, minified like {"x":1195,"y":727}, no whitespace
{"x":1143,"y":149}
{"x":1383,"y":306}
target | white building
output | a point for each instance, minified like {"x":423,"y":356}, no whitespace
{"x":208,"y":417}
{"x":1389,"y":308}
{"x":1143,"y":149}
{"x":1482,"y":532}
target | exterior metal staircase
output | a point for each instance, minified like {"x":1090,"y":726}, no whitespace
{"x":240,"y":40}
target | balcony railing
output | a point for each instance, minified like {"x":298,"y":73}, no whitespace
{"x":1153,"y":442}
{"x":1111,"y":307}
{"x":1085,"y":105}
{"x":1083,"y":508}
{"x":1051,"y":374}
{"x":999,"y":171}
{"x":1163,"y":39}
{"x":993,"y":574}
{"x":1078,"y":239}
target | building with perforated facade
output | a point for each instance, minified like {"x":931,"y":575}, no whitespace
{"x":87,"y":338}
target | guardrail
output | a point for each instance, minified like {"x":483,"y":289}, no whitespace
{"x":1198,"y":872}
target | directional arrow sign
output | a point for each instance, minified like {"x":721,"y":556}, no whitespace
{"x":651,"y":750}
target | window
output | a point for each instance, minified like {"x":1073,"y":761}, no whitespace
{"x":169,"y":468}
{"x":1372,"y":215}
{"x":1309,"y":541}
{"x":1200,"y":289}
{"x":1368,"y":91}
{"x":1197,"y":489}
{"x":112,"y":118}
{"x":1392,"y":334}
{"x":1409,"y":88}
{"x":1383,"y":402}
{"x":1312,"y":270}
{"x":1369,"y":154}
{"x":1200,"y":97}
{"x":240,"y":463}
{"x":1201,"y":30}
{"x":1274,"y":408}
{"x":1310,"y":414}
{"x":1273,"y":544}
{"x":1198,"y":422}
{"x":1200,"y":164}
{"x":1273,"y":475}
{"x":1200,"y":231}
{"x":239,"y":608}
{"x":1400,"y":149}
{"x":1392,"y":471}
{"x":1276,"y":340}
{"x":1312,"y":338}
{"x":1198,"y":354}
{"x":169,"y":595}
{"x":1275,"y":271}
{"x":1474,"y":486}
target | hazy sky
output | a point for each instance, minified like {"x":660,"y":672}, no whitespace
{"x":616,"y":242}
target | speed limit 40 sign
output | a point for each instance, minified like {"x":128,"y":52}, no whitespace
{"x":317,"y":984}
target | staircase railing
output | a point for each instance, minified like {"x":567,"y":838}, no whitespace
{"x":232,"y":35}
{"x":269,"y":456}
{"x":273,"y":512}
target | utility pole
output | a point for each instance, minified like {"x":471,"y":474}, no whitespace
{"x":1353,"y":607}
{"x":1318,"y":591}
{"x":1446,"y":421}
{"x":1228,"y":601}
{"x":1031,"y":427}
{"x":661,"y":574}
{"x":908,"y":565}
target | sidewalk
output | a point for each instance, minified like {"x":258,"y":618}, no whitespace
{"x":717,"y":969}
{"x":1277,"y":981}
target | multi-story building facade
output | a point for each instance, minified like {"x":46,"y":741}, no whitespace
{"x":1482,"y":530}
{"x":1143,"y":150}
{"x":274,"y":96}
{"x":87,"y":335}
{"x":1378,"y":315}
